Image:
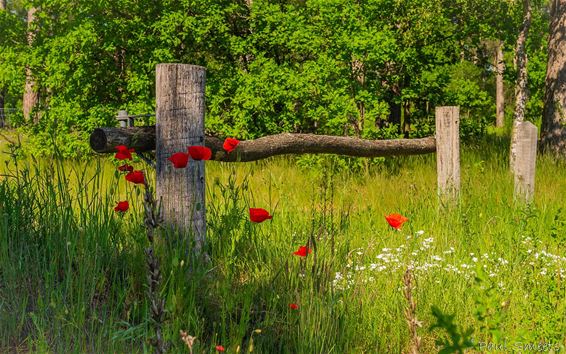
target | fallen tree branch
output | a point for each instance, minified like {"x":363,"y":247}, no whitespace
{"x":104,"y":140}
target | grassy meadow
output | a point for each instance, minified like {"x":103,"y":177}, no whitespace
{"x":73,"y":276}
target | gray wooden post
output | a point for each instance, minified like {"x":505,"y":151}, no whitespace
{"x":448,"y":152}
{"x":525,"y":161}
{"x":180,"y":106}
{"x":122,"y":118}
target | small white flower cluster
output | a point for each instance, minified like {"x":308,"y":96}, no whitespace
{"x":422,"y":260}
{"x":549,"y":263}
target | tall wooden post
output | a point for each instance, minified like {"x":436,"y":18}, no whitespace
{"x":525,"y":161}
{"x":448,"y":152}
{"x":180,"y":107}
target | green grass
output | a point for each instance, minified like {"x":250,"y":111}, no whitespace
{"x":73,"y":276}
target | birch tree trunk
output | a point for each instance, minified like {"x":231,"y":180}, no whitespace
{"x":553,"y":134}
{"x":499,"y":87}
{"x":521,"y":94}
{"x":31,"y":96}
{"x":2,"y":4}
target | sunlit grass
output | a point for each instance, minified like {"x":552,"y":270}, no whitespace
{"x":73,"y":274}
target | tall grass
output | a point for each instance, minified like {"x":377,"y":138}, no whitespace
{"x":73,"y":275}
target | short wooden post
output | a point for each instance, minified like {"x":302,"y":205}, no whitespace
{"x":180,"y":107}
{"x":525,"y":161}
{"x":122,"y":118}
{"x":448,"y":152}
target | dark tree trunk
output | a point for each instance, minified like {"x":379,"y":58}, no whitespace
{"x":553,"y":132}
{"x":395,"y":113}
{"x":406,"y":119}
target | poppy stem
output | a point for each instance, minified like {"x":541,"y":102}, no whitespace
{"x":151,"y":221}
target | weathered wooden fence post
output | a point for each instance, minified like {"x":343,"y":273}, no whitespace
{"x":448,"y":152}
{"x":180,"y":107}
{"x":525,"y":161}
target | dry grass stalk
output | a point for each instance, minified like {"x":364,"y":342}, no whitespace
{"x":151,"y":221}
{"x":188,"y":340}
{"x":411,"y":312}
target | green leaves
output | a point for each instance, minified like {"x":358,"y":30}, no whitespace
{"x":334,"y":67}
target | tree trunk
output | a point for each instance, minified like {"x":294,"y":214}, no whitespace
{"x":521,"y":94}
{"x":3,"y":114}
{"x":358,"y":72}
{"x":553,"y":133}
{"x":499,"y":88}
{"x":406,"y":119}
{"x":31,"y":96}
{"x":2,"y":91}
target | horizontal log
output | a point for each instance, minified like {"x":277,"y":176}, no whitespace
{"x":104,"y":140}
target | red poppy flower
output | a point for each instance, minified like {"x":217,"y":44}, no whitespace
{"x":125,"y":168}
{"x":179,"y":159}
{"x":230,"y":144}
{"x":396,"y":220}
{"x":302,"y":251}
{"x":123,"y":152}
{"x":259,"y":215}
{"x":136,"y":177}
{"x":293,"y":306}
{"x":220,"y":348}
{"x":200,"y":152}
{"x":122,"y":206}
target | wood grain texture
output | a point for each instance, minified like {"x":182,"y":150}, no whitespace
{"x":104,"y":140}
{"x":553,"y":129}
{"x":448,"y":152}
{"x":180,"y":108}
{"x":525,"y":161}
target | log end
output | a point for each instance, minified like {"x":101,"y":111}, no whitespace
{"x":98,"y":140}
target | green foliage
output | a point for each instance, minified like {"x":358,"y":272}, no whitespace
{"x":334,"y":67}
{"x":459,"y":340}
{"x":475,"y":102}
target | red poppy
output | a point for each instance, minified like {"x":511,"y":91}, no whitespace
{"x":293,"y":306}
{"x":125,"y":168}
{"x":230,"y":144}
{"x":396,"y":220}
{"x":122,"y":206}
{"x":123,"y":152}
{"x":220,"y":348}
{"x":302,"y":251}
{"x":198,"y":152}
{"x":179,"y":159}
{"x":136,"y":177}
{"x":259,"y":215}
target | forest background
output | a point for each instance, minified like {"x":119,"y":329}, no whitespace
{"x":372,"y":69}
